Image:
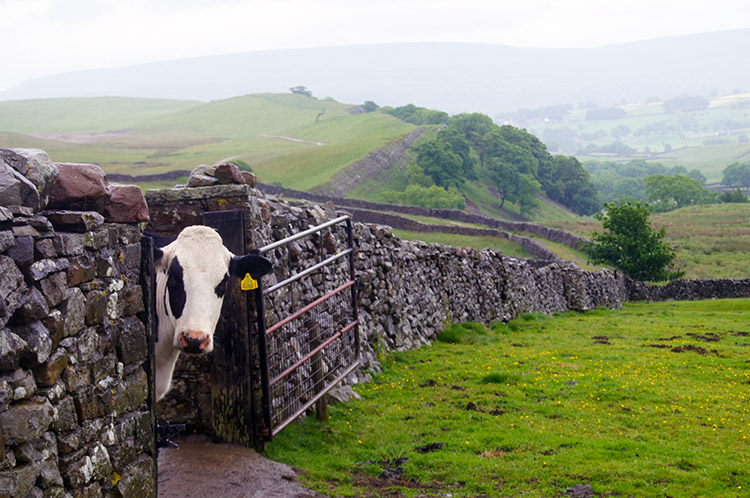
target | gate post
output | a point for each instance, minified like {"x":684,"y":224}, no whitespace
{"x":231,"y":372}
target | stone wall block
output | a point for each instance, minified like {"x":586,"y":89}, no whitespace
{"x":45,"y":267}
{"x":74,"y":313}
{"x":55,"y":288}
{"x":95,"y":405}
{"x":126,"y":205}
{"x":22,"y":251}
{"x":65,"y":417}
{"x":96,"y":239}
{"x":69,"y":244}
{"x":138,"y":480}
{"x":17,"y":190}
{"x":45,"y":248}
{"x":132,"y":344}
{"x":26,"y":421}
{"x":74,"y":221}
{"x":79,"y":187}
{"x":12,"y":288}
{"x":39,"y":343}
{"x":35,"y":307}
{"x":18,"y":481}
{"x":81,"y":270}
{"x":132,"y":392}
{"x":96,"y":307}
{"x":132,"y":302}
{"x":12,"y":348}
{"x":7,"y":239}
{"x":41,"y":170}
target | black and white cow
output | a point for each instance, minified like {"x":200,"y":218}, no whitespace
{"x":192,"y":274}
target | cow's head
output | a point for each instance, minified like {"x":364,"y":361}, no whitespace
{"x":197,"y":267}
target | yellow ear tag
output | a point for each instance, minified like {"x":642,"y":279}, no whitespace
{"x":248,"y":283}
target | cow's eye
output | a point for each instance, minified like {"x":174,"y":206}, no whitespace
{"x":221,"y":289}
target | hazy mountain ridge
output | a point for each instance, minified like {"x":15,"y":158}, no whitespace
{"x":453,"y":77}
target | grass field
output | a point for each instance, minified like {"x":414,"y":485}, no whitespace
{"x":711,"y":241}
{"x":290,"y":139}
{"x":496,"y":243}
{"x":707,"y":140}
{"x":649,"y":401}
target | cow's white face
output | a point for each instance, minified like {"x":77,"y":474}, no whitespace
{"x":192,"y":274}
{"x":196,"y":266}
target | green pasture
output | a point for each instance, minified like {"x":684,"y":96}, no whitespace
{"x":476,"y":242}
{"x":650,"y":401}
{"x":687,"y":133}
{"x":291,"y":139}
{"x":711,"y":241}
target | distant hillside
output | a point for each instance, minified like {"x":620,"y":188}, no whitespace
{"x":291,"y":139}
{"x":452,"y":77}
{"x":707,"y":138}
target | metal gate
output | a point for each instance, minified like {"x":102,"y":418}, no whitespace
{"x":308,"y":335}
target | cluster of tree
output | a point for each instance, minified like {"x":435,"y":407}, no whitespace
{"x":429,"y":197}
{"x":618,"y":148}
{"x":513,"y":161}
{"x":617,"y":181}
{"x":686,"y":103}
{"x":664,"y":188}
{"x":737,"y":175}
{"x":417,"y":115}
{"x":631,"y":244}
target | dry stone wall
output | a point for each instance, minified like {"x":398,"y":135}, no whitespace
{"x":74,"y":390}
{"x":407,"y":290}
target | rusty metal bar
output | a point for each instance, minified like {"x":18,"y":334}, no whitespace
{"x":307,"y":308}
{"x":312,"y":353}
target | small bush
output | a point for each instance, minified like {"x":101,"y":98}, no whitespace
{"x":462,"y":333}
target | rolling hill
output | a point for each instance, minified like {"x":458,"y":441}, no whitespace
{"x":291,"y":139}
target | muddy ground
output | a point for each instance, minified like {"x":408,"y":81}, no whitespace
{"x":202,"y":469}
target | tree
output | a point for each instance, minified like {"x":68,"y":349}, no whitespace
{"x":370,"y":106}
{"x":301,"y":90}
{"x":631,"y":244}
{"x":673,"y":192}
{"x":439,"y":162}
{"x":461,"y":147}
{"x":737,"y":175}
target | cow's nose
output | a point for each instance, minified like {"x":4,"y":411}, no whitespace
{"x":194,"y":342}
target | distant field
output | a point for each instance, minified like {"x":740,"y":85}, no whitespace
{"x":707,"y":140}
{"x":711,"y":241}
{"x":291,"y":139}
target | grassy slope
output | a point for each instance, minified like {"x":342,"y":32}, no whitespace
{"x":82,"y":115}
{"x":541,"y":405}
{"x":164,"y":135}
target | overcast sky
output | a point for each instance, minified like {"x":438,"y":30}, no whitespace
{"x":43,"y":37}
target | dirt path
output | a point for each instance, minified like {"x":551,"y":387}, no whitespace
{"x":202,"y":469}
{"x":292,"y":139}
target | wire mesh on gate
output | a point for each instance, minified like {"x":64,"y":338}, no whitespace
{"x":309,"y":350}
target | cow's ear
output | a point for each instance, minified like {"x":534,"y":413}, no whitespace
{"x":255,"y":265}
